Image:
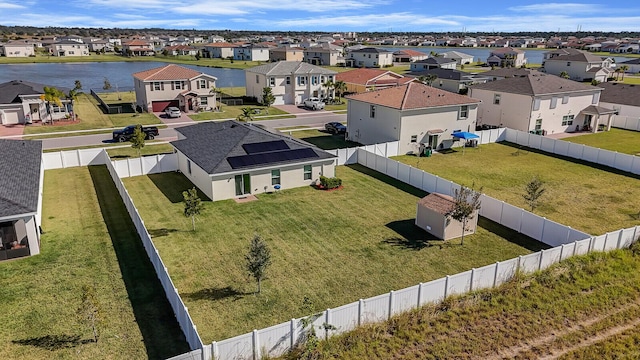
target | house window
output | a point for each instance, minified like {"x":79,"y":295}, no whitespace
{"x":177,"y":85}
{"x":288,"y":80}
{"x":372,"y":111}
{"x":567,"y":120}
{"x":464,"y":112}
{"x":203,"y":84}
{"x":302,"y":80}
{"x":257,"y":79}
{"x":496,"y":99}
{"x":307,"y":172}
{"x":414,"y":138}
{"x":538,"y":124}
{"x":565,"y":99}
{"x":189,"y":166}
{"x":272,"y":81}
{"x":322,"y":79}
{"x":568,"y":63}
{"x":595,"y":99}
{"x":536,"y":104}
{"x":554,"y":102}
{"x":314,"y":80}
{"x":331,"y":78}
{"x":275,"y":177}
{"x":204,"y":100}
{"x":156,"y":86}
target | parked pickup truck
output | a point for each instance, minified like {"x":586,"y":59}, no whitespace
{"x":314,"y":103}
{"x":125,"y":134}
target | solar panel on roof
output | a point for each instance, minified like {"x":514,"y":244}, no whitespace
{"x":261,"y":147}
{"x":237,"y":162}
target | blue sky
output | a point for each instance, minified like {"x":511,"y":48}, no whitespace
{"x":327,"y":15}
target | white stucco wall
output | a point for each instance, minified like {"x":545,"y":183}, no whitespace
{"x":18,"y":51}
{"x":623,"y":110}
{"x":197,"y":176}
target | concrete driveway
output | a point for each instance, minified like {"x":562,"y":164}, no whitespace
{"x":182,"y":120}
{"x":295,"y":110}
{"x":13,"y":131}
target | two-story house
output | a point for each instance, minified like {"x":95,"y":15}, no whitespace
{"x":579,"y":65}
{"x":320,"y":55}
{"x":17,"y":49}
{"x":290,"y":81}
{"x":506,"y":57}
{"x":251,"y":52}
{"x":286,"y":53}
{"x":369,"y":57}
{"x":68,"y":48}
{"x":174,"y":85}
{"x":137,"y":48}
{"x":541,"y":103}
{"x":433,"y":63}
{"x":220,"y":50}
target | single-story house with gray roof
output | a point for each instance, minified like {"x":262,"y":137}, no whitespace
{"x":20,"y":197}
{"x":232,"y":159}
{"x":20,"y":103}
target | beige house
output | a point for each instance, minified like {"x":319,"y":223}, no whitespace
{"x":290,"y":81}
{"x":431,"y":216}
{"x":362,"y":80}
{"x":542,"y":104}
{"x":414,"y":114}
{"x":17,"y":49}
{"x":21,"y":103}
{"x":68,"y":48}
{"x":221,"y":50}
{"x":174,"y":85}
{"x":369,"y":57}
{"x":232,"y":159}
{"x":20,"y":198}
{"x":318,"y":55}
{"x":285,"y":53}
{"x":507,"y":57}
{"x":251,"y":52}
{"x":578,"y":64}
{"x":137,"y":48}
{"x":460,"y":58}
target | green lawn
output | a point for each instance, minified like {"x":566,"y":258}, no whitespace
{"x":118,"y":97}
{"x":583,"y":308}
{"x":634,"y":80}
{"x":149,"y":149}
{"x":620,"y":140}
{"x":323,"y":139}
{"x":232,"y":112}
{"x":88,"y":240}
{"x":577,"y":194}
{"x":331,"y":247}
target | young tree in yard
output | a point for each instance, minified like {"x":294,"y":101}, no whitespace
{"x":534,"y":190}
{"x":138,"y":138}
{"x":258,"y":259}
{"x":52,"y":95}
{"x":267,"y":97}
{"x":467,"y":201}
{"x":89,"y":311}
{"x":247,"y":114}
{"x":340,"y":87}
{"x":564,"y":75}
{"x":192,"y":205}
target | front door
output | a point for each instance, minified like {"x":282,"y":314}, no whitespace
{"x":243,"y":184}
{"x":586,"y":125}
{"x":433,"y":141}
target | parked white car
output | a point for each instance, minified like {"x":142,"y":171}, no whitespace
{"x":172,"y":112}
{"x":314,"y":103}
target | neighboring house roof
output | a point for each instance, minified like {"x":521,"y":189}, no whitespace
{"x":442,"y":73}
{"x":438,"y":60}
{"x":68,"y":42}
{"x":456,"y":55}
{"x":227,"y":146}
{"x":577,"y":55}
{"x":623,"y":94}
{"x":506,"y":50}
{"x":289,"y":67}
{"x":534,"y":85}
{"x":635,"y":61}
{"x":11,"y":91}
{"x":598,"y":110}
{"x":167,"y":72}
{"x":371,"y":50}
{"x":221,"y":45}
{"x":366,"y":76}
{"x":409,"y":52}
{"x":20,"y":162}
{"x":509,"y":72}
{"x":440,"y":203}
{"x":137,"y":43}
{"x":413,"y":95}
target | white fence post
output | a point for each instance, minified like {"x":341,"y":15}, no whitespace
{"x":360,"y":304}
{"x":446,"y":286}
{"x":292,"y":327}
{"x":215,"y":353}
{"x":390,"y":304}
{"x":495,"y":274}
{"x":419,"y":295}
{"x":327,"y":322}
{"x":540,"y":261}
{"x":256,"y":345}
{"x":473,"y":273}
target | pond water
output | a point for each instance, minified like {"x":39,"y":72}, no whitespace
{"x":92,"y":74}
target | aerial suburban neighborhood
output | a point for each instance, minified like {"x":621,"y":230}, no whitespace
{"x":174,"y":192}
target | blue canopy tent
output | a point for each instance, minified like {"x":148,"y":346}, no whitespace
{"x":464,"y":135}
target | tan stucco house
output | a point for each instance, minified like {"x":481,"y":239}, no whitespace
{"x":369,"y":57}
{"x":17,"y":49}
{"x":20,"y":197}
{"x":232,"y":159}
{"x":222,"y":50}
{"x":286,"y":53}
{"x":432,"y":216}
{"x":68,"y":48}
{"x":290,"y":81}
{"x":578,"y":64}
{"x":415,"y":115}
{"x":541,"y":103}
{"x":174,"y":85}
{"x":21,"y":103}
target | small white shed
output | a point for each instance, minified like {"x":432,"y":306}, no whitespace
{"x":431,"y":216}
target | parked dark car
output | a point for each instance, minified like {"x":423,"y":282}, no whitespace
{"x":335,"y":128}
{"x":150,"y":132}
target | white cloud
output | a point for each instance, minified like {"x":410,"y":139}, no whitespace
{"x":6,"y":5}
{"x":558,"y":8}
{"x":368,"y":21}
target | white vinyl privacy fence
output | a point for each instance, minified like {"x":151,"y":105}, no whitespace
{"x":626,"y":122}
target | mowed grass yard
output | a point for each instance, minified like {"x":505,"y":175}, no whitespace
{"x":330,"y":247}
{"x":620,"y":140}
{"x":88,"y":240}
{"x":594,"y":200}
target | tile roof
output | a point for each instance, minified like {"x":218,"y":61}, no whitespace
{"x":10,"y":91}
{"x":221,"y":45}
{"x":20,"y":162}
{"x":413,"y":95}
{"x":534,"y":85}
{"x":410,"y":52}
{"x":440,"y":203}
{"x":167,"y":72}
{"x":624,"y":94}
{"x":137,"y":43}
{"x":210,"y":144}
{"x":289,"y":67}
{"x":365,"y":76}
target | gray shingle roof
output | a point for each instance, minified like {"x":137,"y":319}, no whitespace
{"x":209,"y":144}
{"x":20,"y":162}
{"x":371,"y":50}
{"x":623,"y":94}
{"x":534,"y":85}
{"x":10,"y":91}
{"x":509,"y":72}
{"x":281,"y":68}
{"x":435,"y":61}
{"x":442,"y":73}
{"x":635,"y":61}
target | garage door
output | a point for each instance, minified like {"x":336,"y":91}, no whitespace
{"x":10,"y":116}
{"x":159,"y":106}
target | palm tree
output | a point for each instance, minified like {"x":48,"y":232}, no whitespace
{"x":72,"y":96}
{"x":564,"y":75}
{"x":51,"y":94}
{"x":623,"y":69}
{"x":217,"y":92}
{"x":617,"y":72}
{"x":247,"y":114}
{"x":340,"y":87}
{"x":329,"y":85}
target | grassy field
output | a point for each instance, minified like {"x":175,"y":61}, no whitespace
{"x":323,"y":139}
{"x":620,"y":140}
{"x":331,"y":247}
{"x":232,"y":112}
{"x":88,"y":240}
{"x":634,"y":80}
{"x":149,"y":149}
{"x":118,"y":97}
{"x":577,"y":194}
{"x":584,"y":308}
